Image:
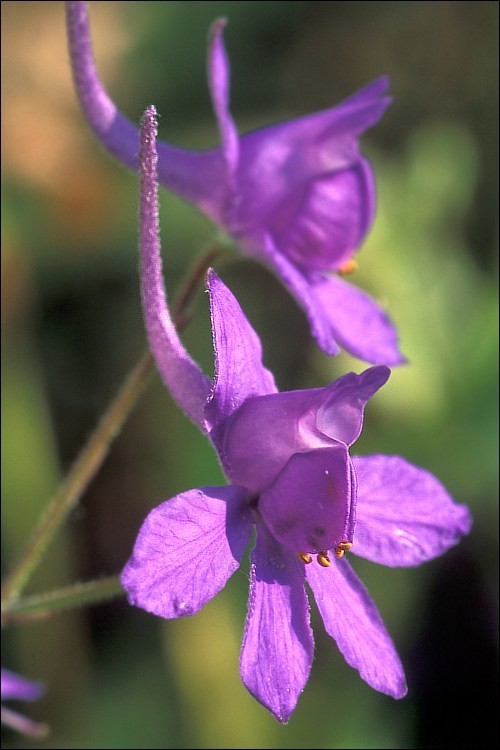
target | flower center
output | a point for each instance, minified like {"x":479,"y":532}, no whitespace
{"x":322,"y":556}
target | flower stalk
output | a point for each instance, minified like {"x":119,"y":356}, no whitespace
{"x":42,"y":606}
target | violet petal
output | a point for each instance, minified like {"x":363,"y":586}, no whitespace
{"x":404,"y":515}
{"x":277,"y":650}
{"x":341,"y":414}
{"x":309,"y":504}
{"x":351,"y":618}
{"x":187,"y":549}
{"x":260,"y":437}
{"x":14,"y":686}
{"x":218,"y":77}
{"x":289,"y":156}
{"x":322,"y":222}
{"x":239,"y":372}
{"x":358,"y":323}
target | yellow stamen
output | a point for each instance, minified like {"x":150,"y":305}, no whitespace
{"x":348,"y":267}
{"x":323,"y":559}
{"x":305,"y":557}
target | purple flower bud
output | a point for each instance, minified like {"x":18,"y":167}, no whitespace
{"x":15,"y":687}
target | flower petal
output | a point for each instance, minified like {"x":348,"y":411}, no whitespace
{"x":14,"y":686}
{"x":341,"y":415}
{"x":187,"y":549}
{"x":218,"y":78}
{"x":309,"y":505}
{"x":186,"y":382}
{"x":352,"y":619}
{"x":404,"y":515}
{"x":287,"y":156}
{"x":338,"y":313}
{"x":240,"y":373}
{"x":197,"y":176}
{"x":358,"y":324}
{"x":322,"y":222}
{"x":277,"y":650}
{"x":301,"y":287}
{"x":259,"y":438}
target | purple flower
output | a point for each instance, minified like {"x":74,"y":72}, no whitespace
{"x":15,"y":687}
{"x":298,"y":196}
{"x":293,"y":480}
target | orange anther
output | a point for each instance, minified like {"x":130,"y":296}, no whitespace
{"x":323,"y":559}
{"x":341,"y":548}
{"x":348,"y":267}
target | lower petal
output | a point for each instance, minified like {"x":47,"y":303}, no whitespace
{"x":359,"y":325}
{"x":278,"y":646}
{"x":351,"y":618}
{"x":187,"y":549}
{"x":404,"y":515}
{"x":339,"y":314}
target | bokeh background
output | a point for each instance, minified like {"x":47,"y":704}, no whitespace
{"x":72,"y":328}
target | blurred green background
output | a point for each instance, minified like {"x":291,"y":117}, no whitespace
{"x":72,"y":327}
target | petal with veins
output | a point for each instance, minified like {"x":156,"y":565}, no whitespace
{"x":239,"y":372}
{"x":277,"y":650}
{"x":405,"y":515}
{"x":187,"y":549}
{"x":351,"y":618}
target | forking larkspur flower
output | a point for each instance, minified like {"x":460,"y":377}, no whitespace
{"x":293,"y":480}
{"x":298,"y":196}
{"x":16,"y":687}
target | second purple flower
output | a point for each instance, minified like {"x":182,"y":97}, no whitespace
{"x":298,"y":196}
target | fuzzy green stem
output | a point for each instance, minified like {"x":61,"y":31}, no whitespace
{"x":40,"y":606}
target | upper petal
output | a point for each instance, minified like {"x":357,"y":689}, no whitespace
{"x":308,"y":506}
{"x":341,"y":414}
{"x":277,"y":650}
{"x":259,"y":438}
{"x":404,"y":515}
{"x":218,"y":80}
{"x":187,"y":549}
{"x":188,"y":385}
{"x":239,"y":372}
{"x":351,"y":618}
{"x":287,"y":156}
